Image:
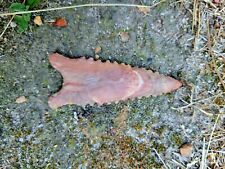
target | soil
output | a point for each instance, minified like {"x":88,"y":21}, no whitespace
{"x":140,"y":133}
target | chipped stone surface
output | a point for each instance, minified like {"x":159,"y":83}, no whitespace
{"x":86,"y":82}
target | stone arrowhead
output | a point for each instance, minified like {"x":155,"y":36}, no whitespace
{"x":87,"y":82}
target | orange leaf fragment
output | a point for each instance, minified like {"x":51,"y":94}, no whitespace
{"x":60,"y":22}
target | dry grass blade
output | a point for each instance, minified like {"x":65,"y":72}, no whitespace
{"x":210,"y":51}
{"x":81,"y":6}
{"x":166,"y":167}
{"x":205,"y":152}
{"x":6,"y":27}
{"x":74,"y":6}
{"x":196,"y":21}
{"x":202,"y":166}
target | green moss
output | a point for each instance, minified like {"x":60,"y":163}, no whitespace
{"x":160,"y":130}
{"x":137,"y":126}
{"x":106,"y":24}
{"x":162,"y":6}
{"x":159,"y":147}
{"x":2,"y":78}
{"x":153,"y":164}
{"x":152,"y":46}
{"x":135,"y":155}
{"x":176,"y":139}
{"x":45,"y":83}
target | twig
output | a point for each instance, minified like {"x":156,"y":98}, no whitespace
{"x":166,"y":167}
{"x":176,"y":162}
{"x":7,"y":26}
{"x":212,"y":55}
{"x":211,"y":135}
{"x":81,"y":6}
{"x":205,"y":152}
{"x":195,"y":102}
{"x":215,"y":151}
{"x":196,"y":22}
{"x":202,"y":166}
{"x":194,"y":15}
{"x":3,"y":32}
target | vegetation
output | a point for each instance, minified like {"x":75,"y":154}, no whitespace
{"x":23,"y":20}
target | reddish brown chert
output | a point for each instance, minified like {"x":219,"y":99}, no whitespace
{"x":87,"y":82}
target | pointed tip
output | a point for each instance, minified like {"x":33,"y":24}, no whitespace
{"x":154,"y":84}
{"x":172,"y":84}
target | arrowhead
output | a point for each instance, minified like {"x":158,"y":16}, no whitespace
{"x":87,"y":82}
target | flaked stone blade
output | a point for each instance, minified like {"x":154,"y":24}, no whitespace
{"x":86,"y":81}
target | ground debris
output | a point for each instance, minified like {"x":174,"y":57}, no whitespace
{"x":60,"y":22}
{"x":186,"y":149}
{"x":21,"y":99}
{"x":144,"y":10}
{"x":124,"y":36}
{"x":98,"y":49}
{"x":38,"y":20}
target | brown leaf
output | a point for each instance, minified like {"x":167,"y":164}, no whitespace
{"x":60,"y":22}
{"x":21,"y":99}
{"x":186,"y":149}
{"x":144,"y":10}
{"x":38,"y":20}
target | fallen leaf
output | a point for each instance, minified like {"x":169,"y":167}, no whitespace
{"x":98,"y":49}
{"x":60,"y":22}
{"x":21,"y":99}
{"x":124,"y":36}
{"x":38,"y":20}
{"x":144,"y":10}
{"x":186,"y":149}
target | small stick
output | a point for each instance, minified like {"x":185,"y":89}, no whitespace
{"x":212,"y":55}
{"x":161,"y":159}
{"x":80,"y":6}
{"x":7,"y":26}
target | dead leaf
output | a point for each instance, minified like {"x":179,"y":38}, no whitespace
{"x":38,"y":20}
{"x":60,"y":22}
{"x":144,"y":10}
{"x":21,"y":99}
{"x":186,"y":150}
{"x":124,"y":36}
{"x":98,"y":49}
